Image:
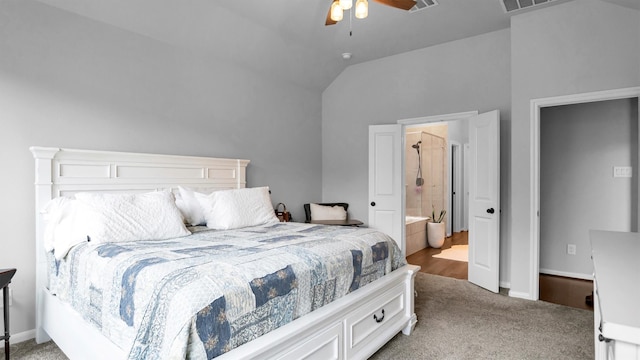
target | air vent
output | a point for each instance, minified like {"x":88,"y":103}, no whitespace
{"x":423,"y":4}
{"x":515,"y":5}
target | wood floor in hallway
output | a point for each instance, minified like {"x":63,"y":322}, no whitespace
{"x":554,"y":289}
{"x":565,"y":291}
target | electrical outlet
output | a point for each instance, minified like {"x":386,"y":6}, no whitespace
{"x":571,"y":249}
{"x":10,"y":298}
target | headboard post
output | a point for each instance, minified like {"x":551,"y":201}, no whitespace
{"x":44,"y":193}
{"x":64,"y":172}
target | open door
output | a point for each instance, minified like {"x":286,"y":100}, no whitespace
{"x":484,"y":200}
{"x":386,"y":190}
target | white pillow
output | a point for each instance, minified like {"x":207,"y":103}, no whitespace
{"x":233,"y":209}
{"x":148,"y":216}
{"x":324,"y":212}
{"x":68,"y":224}
{"x":52,"y":213}
{"x":190,"y":207}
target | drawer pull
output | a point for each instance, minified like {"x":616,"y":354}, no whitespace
{"x":381,"y":318}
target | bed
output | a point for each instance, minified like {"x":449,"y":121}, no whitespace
{"x":350,"y":326}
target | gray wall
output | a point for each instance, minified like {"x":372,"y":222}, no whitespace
{"x":575,"y":47}
{"x":579,"y":146}
{"x":66,"y":81}
{"x":463,"y":75}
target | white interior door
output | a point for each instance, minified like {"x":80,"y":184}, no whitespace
{"x":465,"y":186}
{"x":484,"y":200}
{"x":456,"y":187}
{"x":386,"y":190}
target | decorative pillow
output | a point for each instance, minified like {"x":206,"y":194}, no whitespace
{"x":233,"y":209}
{"x":148,"y":216}
{"x":67,"y":225}
{"x":324,"y":212}
{"x":190,"y":207}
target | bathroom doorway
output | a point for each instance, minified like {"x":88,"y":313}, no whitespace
{"x":387,"y":188}
{"x":434,"y":181}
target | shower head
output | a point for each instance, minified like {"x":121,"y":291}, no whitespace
{"x":416,"y":145}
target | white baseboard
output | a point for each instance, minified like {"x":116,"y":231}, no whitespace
{"x":20,"y":337}
{"x":520,"y":295}
{"x":567,"y":274}
{"x":505,"y":284}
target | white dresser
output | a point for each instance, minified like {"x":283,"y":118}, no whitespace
{"x":616,"y":263}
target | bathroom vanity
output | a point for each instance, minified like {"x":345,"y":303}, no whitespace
{"x":616,"y":294}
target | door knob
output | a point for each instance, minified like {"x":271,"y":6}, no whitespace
{"x":490,"y":211}
{"x":373,"y":203}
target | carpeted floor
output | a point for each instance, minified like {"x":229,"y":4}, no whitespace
{"x":458,"y":320}
{"x":30,"y":350}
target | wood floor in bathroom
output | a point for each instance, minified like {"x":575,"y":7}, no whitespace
{"x":442,"y":267}
{"x":554,"y":289}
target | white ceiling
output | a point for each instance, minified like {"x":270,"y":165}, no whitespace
{"x":287,"y":38}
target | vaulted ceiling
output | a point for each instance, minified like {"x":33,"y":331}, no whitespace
{"x":288,"y":38}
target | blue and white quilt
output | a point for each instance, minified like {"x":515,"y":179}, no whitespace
{"x":205,"y":294}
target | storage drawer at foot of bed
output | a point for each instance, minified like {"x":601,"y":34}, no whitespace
{"x":326,"y":345}
{"x":382,"y":316}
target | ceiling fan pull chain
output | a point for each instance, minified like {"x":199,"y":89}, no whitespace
{"x":350,"y":23}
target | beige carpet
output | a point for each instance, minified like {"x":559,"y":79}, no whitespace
{"x":456,"y":253}
{"x":458,"y":320}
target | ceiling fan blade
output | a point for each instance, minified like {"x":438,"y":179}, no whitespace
{"x":400,"y":4}
{"x":329,"y":21}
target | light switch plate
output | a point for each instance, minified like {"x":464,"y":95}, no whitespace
{"x":622,"y":171}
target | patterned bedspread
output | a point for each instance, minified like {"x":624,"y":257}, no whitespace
{"x":210,"y":292}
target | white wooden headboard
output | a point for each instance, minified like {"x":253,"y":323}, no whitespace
{"x":63,"y":172}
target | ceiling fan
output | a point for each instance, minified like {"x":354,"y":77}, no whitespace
{"x":338,"y":7}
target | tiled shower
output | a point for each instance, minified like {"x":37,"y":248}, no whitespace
{"x":425,"y":184}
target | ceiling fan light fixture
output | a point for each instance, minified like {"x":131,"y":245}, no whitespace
{"x":346,"y":4}
{"x":362,"y":9}
{"x":336,"y":11}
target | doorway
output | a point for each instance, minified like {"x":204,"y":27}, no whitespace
{"x":430,"y":186}
{"x":536,"y":109}
{"x":433,"y":171}
{"x":387,"y":189}
{"x":580,"y":144}
{"x":434,"y":178}
{"x":459,"y":205}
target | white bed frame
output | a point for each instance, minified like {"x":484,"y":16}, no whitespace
{"x":352,"y":327}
